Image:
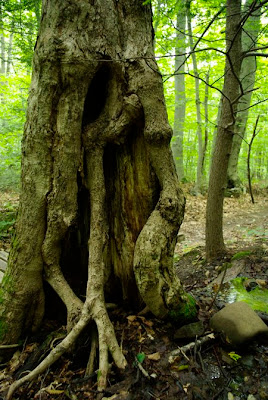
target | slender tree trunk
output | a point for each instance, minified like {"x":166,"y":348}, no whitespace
{"x":203,"y":171}
{"x":2,"y":47}
{"x":198,"y":182}
{"x":100,"y":206}
{"x":2,"y":65}
{"x":231,"y":90}
{"x":180,"y":99}
{"x":9,"y":51}
{"x":247,"y":77}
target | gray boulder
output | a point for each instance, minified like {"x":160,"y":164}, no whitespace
{"x":239,"y":323}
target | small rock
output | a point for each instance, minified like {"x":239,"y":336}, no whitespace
{"x":190,"y":331}
{"x":239,"y":323}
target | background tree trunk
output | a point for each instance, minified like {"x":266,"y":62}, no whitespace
{"x":231,"y":90}
{"x":199,"y":169}
{"x":247,"y":77}
{"x":180,"y":98}
{"x":100,"y":198}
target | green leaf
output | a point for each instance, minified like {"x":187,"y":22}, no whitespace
{"x":140,"y":357}
{"x":234,"y":356}
{"x":183,"y":367}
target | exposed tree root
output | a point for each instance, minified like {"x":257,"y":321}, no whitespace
{"x":93,"y":352}
{"x":107,"y":342}
{"x":94,"y":307}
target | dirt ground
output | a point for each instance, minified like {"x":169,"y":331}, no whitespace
{"x":243,"y":222}
{"x":214,"y":370}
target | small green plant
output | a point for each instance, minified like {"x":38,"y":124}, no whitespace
{"x":140,"y":357}
{"x":234,"y":356}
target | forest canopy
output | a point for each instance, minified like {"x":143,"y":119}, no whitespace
{"x":19,"y":26}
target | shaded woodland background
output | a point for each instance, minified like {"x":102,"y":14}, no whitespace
{"x":180,"y":26}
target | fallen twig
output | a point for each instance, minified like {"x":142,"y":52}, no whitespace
{"x":189,"y":346}
{"x":144,"y":372}
{"x":9,"y":346}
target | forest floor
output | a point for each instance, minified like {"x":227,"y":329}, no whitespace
{"x":216,"y":370}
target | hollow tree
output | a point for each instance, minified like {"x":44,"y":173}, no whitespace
{"x":100,"y":205}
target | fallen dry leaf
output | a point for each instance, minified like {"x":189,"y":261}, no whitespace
{"x":154,"y":356}
{"x":131,"y":318}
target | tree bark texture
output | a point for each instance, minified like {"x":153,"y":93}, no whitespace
{"x":180,"y":99}
{"x":247,"y":77}
{"x":231,"y":91}
{"x":100,"y":204}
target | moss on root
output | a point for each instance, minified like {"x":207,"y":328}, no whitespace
{"x":185,"y":312}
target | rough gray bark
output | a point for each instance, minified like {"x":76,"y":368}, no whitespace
{"x":247,"y":77}
{"x":180,"y":99}
{"x":98,"y":179}
{"x":231,"y":90}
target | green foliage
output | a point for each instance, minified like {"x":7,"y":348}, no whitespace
{"x":19,"y":22}
{"x":213,"y":60}
{"x":13,"y":95}
{"x":240,"y":255}
{"x":7,"y":221}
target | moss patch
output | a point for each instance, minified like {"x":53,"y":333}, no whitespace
{"x":186,"y":311}
{"x":240,"y":255}
{"x":257,"y":298}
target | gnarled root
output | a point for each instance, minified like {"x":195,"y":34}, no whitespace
{"x":94,"y":307}
{"x":107,"y":342}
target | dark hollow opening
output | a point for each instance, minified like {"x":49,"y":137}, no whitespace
{"x":96,"y":95}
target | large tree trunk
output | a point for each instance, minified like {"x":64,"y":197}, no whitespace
{"x":218,"y":173}
{"x":100,"y":205}
{"x":180,"y":99}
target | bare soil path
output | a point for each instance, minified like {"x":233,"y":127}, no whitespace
{"x":243,"y":221}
